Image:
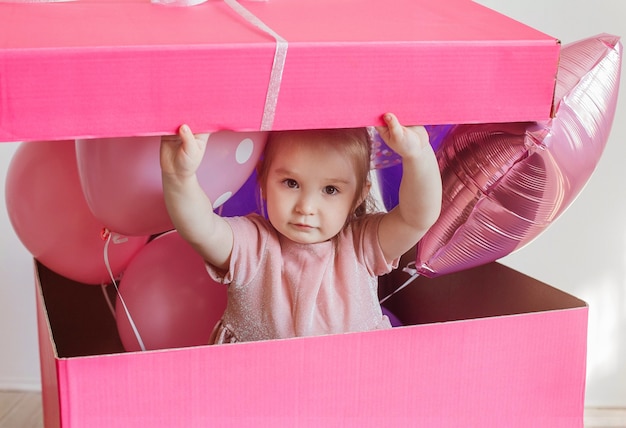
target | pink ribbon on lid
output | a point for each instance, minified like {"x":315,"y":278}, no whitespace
{"x":280,"y":54}
{"x":276,"y":75}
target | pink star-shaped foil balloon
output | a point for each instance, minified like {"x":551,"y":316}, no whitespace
{"x":504,"y":184}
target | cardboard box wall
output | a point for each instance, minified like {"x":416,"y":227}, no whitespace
{"x":86,"y":69}
{"x":491,"y":348}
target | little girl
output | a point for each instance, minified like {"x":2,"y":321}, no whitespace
{"x":312,"y":266}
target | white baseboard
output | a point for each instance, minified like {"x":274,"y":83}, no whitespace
{"x":20,"y":385}
{"x":605,"y":417}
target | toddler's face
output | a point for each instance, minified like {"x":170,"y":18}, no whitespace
{"x":310,"y":190}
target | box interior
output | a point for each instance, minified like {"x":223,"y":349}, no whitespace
{"x":79,"y":317}
{"x":490,"y":290}
{"x":82,"y":323}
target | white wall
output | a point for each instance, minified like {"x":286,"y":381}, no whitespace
{"x":19,"y":358}
{"x":583,"y":253}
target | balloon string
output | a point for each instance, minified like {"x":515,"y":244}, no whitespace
{"x":406,"y":269}
{"x":119,"y":295}
{"x":104,"y":286}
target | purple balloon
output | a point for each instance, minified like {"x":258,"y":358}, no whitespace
{"x":506,"y":183}
{"x":245,"y":201}
{"x":393,"y":319}
{"x":389,"y":172}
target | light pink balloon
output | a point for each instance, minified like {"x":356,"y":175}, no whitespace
{"x":506,"y":183}
{"x":51,"y":218}
{"x":170,"y":297}
{"x":121,"y":177}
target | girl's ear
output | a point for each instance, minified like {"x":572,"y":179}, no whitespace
{"x":366,"y":190}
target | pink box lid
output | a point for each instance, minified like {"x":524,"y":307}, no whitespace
{"x":122,"y":68}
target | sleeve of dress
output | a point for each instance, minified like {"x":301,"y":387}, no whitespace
{"x":368,"y":246}
{"x":250,"y":236}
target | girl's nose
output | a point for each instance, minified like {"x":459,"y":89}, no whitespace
{"x":305,"y":205}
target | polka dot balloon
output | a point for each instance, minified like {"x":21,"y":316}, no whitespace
{"x":121,"y":177}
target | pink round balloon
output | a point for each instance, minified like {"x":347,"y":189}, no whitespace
{"x":121,"y":177}
{"x":506,"y":183}
{"x":49,"y":214}
{"x":170,"y":297}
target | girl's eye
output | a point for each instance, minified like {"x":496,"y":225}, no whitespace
{"x":291,"y":183}
{"x":331,"y":190}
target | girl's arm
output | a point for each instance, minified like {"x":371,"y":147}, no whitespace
{"x":420,"y":189}
{"x":189,"y":207}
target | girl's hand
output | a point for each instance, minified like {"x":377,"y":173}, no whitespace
{"x":406,"y":141}
{"x":188,"y":206}
{"x":182,"y":154}
{"x":419,"y":196}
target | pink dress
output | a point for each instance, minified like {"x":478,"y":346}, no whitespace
{"x":278,"y":288}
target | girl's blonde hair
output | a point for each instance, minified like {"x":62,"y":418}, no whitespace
{"x":354,"y":143}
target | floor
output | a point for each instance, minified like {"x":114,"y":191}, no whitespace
{"x":20,"y":410}
{"x":23,"y":410}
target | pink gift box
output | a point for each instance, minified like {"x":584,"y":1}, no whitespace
{"x":86,"y":69}
{"x":487,"y":347}
{"x":484,"y":347}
